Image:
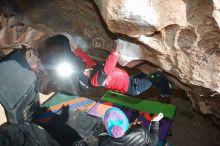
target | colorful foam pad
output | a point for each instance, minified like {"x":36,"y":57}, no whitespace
{"x":58,"y":98}
{"x":143,"y":110}
{"x":141,"y":104}
{"x":62,"y":99}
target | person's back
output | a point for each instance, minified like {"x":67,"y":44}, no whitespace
{"x":117,"y":80}
{"x":136,"y":136}
{"x":119,"y":133}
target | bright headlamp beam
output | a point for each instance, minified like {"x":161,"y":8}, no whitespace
{"x":64,"y":69}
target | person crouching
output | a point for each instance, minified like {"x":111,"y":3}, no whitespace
{"x":118,"y":132}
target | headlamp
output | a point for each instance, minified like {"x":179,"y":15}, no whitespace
{"x":64,"y":69}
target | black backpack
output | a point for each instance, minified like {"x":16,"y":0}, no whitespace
{"x":25,"y":135}
{"x":18,"y":88}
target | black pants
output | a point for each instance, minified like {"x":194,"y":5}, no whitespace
{"x":159,"y":80}
{"x":138,"y":84}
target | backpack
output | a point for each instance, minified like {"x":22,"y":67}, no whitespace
{"x":18,"y":88}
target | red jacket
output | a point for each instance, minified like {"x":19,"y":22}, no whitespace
{"x":117,"y":79}
{"x":84,"y":57}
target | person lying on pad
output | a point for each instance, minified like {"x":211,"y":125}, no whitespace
{"x":114,"y":78}
{"x":119,"y":133}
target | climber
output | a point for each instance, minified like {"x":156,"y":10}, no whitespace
{"x":112,"y":77}
{"x":118,"y":132}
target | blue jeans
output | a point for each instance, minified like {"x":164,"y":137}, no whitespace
{"x":138,"y":84}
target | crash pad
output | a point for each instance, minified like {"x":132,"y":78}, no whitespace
{"x":140,"y":104}
{"x":63,"y":99}
{"x":134,"y":108}
{"x":58,"y":98}
{"x":65,"y":114}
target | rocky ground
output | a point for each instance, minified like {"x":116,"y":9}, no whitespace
{"x":190,"y":128}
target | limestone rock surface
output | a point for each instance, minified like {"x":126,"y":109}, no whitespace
{"x":13,"y":34}
{"x":216,"y":11}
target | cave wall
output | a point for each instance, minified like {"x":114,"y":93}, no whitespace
{"x":216,"y":11}
{"x":76,"y":19}
{"x":30,"y":22}
{"x":14,"y":34}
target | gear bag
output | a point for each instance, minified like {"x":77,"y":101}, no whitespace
{"x":18,"y":88}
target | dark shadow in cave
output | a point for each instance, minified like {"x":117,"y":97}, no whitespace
{"x":54,"y":51}
{"x":64,"y":134}
{"x":11,"y":6}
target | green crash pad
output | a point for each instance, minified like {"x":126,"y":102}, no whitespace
{"x":141,"y":104}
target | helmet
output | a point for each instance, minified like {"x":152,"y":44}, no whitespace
{"x":84,"y":82}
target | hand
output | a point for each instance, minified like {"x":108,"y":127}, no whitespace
{"x":87,"y":72}
{"x":158,"y":117}
{"x":136,"y":122}
{"x":119,"y":46}
{"x":116,"y":53}
{"x":73,"y":45}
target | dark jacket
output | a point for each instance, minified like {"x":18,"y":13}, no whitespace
{"x":116,"y":78}
{"x":25,"y":135}
{"x":136,"y":136}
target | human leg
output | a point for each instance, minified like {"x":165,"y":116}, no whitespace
{"x":160,"y":81}
{"x":138,"y":84}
